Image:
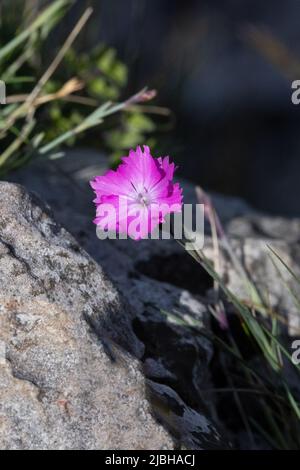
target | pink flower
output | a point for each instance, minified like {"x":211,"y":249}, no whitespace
{"x":136,"y":197}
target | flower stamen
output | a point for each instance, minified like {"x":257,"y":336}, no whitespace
{"x":143,"y":199}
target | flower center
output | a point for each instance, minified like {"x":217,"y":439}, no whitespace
{"x":143,"y":198}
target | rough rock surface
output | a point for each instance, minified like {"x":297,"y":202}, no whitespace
{"x":63,"y":383}
{"x":157,"y":277}
{"x":69,"y":378}
{"x":152,"y":276}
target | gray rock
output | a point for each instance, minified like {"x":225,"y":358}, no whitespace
{"x":64,"y":382}
{"x":272,"y":279}
{"x":152,"y":275}
{"x":69,"y":374}
{"x":186,"y":423}
{"x":157,"y":278}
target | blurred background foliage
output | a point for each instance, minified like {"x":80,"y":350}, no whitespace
{"x":223,"y":69}
{"x":79,"y":83}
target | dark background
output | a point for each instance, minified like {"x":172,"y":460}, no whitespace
{"x":225,"y":68}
